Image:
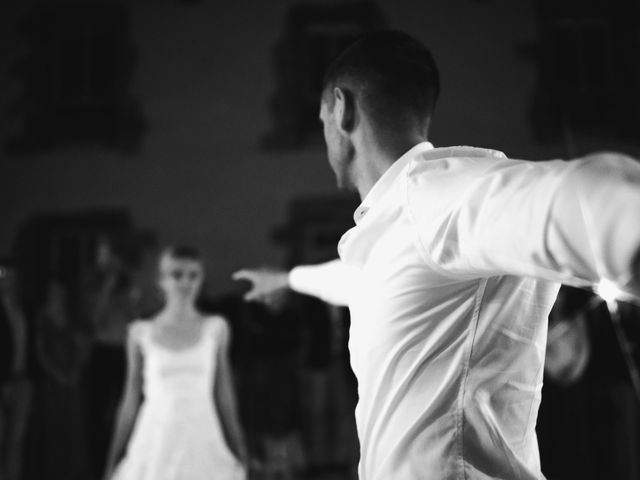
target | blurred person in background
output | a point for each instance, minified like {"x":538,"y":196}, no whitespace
{"x":178,"y":416}
{"x":275,"y":379}
{"x":329,"y":389}
{"x":568,"y":346}
{"x":61,"y":351}
{"x":15,"y":384}
{"x":113,"y":304}
{"x":589,"y":420}
{"x":565,"y":426}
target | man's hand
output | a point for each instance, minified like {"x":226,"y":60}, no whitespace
{"x":265,"y":283}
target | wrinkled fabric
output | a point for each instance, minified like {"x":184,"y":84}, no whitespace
{"x":455,"y":262}
{"x":178,"y":435}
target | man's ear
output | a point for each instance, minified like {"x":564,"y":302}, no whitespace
{"x":344,"y":110}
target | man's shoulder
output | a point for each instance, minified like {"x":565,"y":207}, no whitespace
{"x":443,"y":179}
{"x":447,"y":170}
{"x":450,"y":168}
{"x":455,"y":162}
{"x":461,"y":152}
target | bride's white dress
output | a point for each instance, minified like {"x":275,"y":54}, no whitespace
{"x":178,"y":434}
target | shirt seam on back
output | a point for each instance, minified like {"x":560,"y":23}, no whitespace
{"x":424,"y":254}
{"x":471,"y":336}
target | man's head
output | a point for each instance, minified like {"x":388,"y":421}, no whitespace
{"x":387,"y":77}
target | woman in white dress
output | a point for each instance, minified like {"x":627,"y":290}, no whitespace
{"x":178,"y":418}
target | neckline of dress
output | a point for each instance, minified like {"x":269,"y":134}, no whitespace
{"x":178,"y":351}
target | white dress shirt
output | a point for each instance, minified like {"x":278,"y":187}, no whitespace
{"x":450,"y":273}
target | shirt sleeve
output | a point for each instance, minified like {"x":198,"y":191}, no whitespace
{"x":573,"y":222}
{"x":331,"y":282}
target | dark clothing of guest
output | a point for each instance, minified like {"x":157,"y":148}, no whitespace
{"x":60,"y":413}
{"x":15,"y":389}
{"x":7,"y":347}
{"x":104,"y":379}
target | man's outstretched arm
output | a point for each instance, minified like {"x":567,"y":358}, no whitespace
{"x":571,"y":222}
{"x":594,"y":224}
{"x":332,"y":281}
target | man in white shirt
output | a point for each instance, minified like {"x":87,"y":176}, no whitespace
{"x":451,"y":270}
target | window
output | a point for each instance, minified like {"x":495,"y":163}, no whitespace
{"x":75,"y":79}
{"x":314,"y":36}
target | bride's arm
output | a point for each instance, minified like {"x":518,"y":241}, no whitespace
{"x":129,"y":404}
{"x":225,"y":398}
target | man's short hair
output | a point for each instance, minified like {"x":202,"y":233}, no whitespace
{"x":392,"y":74}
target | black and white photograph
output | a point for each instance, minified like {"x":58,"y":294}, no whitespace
{"x":320,"y":240}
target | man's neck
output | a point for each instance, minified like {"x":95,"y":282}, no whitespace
{"x":377,"y":157}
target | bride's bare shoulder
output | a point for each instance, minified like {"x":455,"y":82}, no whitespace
{"x":218,"y":324}
{"x":136,"y":329}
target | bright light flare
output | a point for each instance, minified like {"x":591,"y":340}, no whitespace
{"x":608,"y":291}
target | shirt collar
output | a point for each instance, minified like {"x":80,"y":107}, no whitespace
{"x":387,"y":178}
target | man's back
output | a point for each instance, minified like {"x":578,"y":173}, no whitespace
{"x":449,"y":358}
